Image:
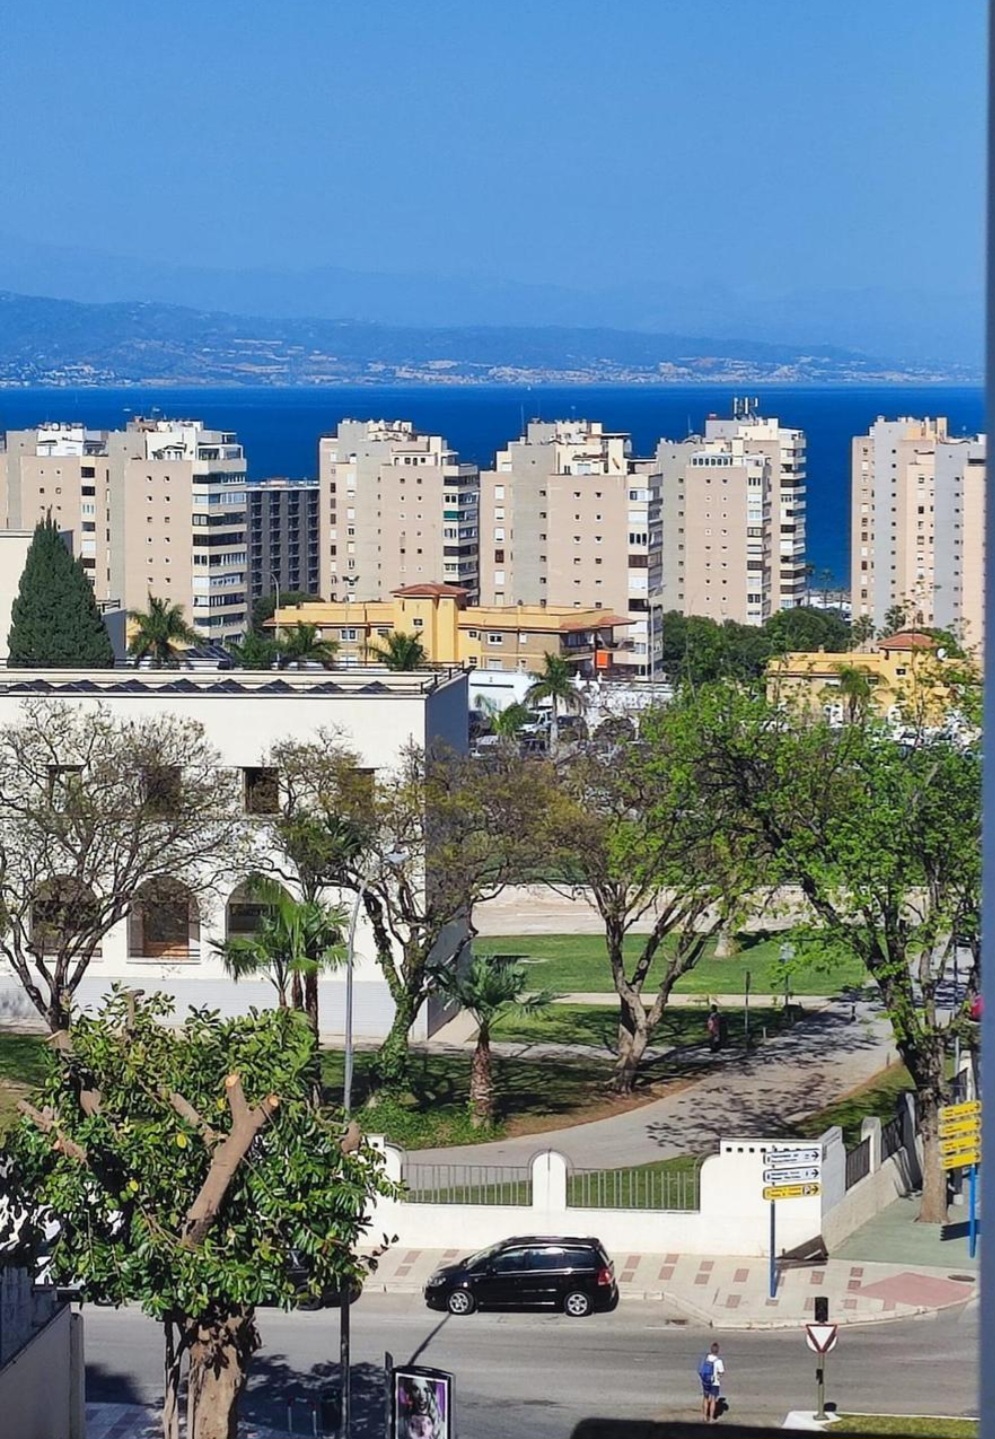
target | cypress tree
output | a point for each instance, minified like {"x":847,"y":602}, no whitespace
{"x":54,"y":619}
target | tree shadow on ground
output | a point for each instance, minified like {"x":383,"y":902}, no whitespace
{"x":107,"y":1386}
{"x":307,"y":1402}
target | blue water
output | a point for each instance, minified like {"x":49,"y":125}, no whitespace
{"x":280,"y":428}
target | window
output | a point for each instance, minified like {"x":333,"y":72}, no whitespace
{"x":495,"y":639}
{"x":261,"y":789}
{"x":472,"y":634}
{"x":162,"y":788}
{"x":416,"y":623}
{"x":63,"y":783}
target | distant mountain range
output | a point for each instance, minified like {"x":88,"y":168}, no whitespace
{"x":909,"y":327}
{"x":47,"y":341}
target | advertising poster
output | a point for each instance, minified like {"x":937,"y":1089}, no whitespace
{"x":422,"y":1403}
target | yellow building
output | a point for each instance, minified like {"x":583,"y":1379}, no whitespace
{"x":488,"y":637}
{"x":905,"y":677}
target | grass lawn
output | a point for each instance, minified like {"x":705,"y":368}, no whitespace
{"x":21,"y":1066}
{"x":877,"y":1100}
{"x":577,"y":964}
{"x":911,"y":1424}
{"x":597,"y":1024}
{"x":666,"y":1184}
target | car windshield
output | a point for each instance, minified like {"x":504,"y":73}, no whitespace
{"x":483,"y":1256}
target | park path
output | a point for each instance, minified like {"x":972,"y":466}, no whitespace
{"x":816,"y":1062}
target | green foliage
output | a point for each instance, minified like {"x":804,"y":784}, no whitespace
{"x":555,"y":682}
{"x":131,"y":1162}
{"x":807,"y":629}
{"x":294,"y":937}
{"x":256,"y":652}
{"x":301,"y":645}
{"x":698,"y":650}
{"x":398,"y":651}
{"x":54,"y":618}
{"x":862,"y":630}
{"x":264,"y":608}
{"x":161,"y":634}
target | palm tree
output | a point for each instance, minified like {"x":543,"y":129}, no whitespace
{"x":256,"y":652}
{"x":861,"y":630}
{"x":399,"y":652}
{"x":506,"y":723}
{"x":556,"y":684}
{"x":493,"y":988}
{"x":856,"y":688}
{"x":161,"y":633}
{"x":302,"y":645}
{"x":294,"y":939}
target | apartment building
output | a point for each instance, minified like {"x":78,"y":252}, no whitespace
{"x":395,"y":508}
{"x":283,"y":538}
{"x":566,"y":517}
{"x":917,"y":537}
{"x":716,"y":530}
{"x":156,"y":508}
{"x":508,"y":638}
{"x":786,"y":452}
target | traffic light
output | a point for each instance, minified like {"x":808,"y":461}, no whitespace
{"x":822,"y":1309}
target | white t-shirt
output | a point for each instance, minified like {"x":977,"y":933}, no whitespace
{"x":718,"y":1369}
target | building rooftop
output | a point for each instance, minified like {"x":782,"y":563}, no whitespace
{"x":908,"y":640}
{"x":301,"y":684}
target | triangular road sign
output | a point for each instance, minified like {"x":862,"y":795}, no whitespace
{"x":821,"y":1337}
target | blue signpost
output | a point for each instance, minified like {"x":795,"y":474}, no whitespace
{"x":972,"y":1220}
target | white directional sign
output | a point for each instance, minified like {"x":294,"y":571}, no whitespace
{"x":792,"y":1154}
{"x":791,"y":1176}
{"x":821,"y":1337}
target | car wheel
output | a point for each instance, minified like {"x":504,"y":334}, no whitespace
{"x":460,"y":1302}
{"x":576,"y":1304}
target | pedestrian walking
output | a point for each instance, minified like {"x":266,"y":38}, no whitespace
{"x":710,"y":1372}
{"x":713,"y":1026}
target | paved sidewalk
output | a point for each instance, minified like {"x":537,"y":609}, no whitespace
{"x":816,"y":1062}
{"x":141,"y":1421}
{"x":733,"y":1293}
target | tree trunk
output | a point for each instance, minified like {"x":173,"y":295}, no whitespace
{"x":311,"y":1000}
{"x":296,"y":993}
{"x":391,"y":1063}
{"x":482,"y":1082}
{"x":171,"y":1382}
{"x":933,"y":1208}
{"x":633,"y":1038}
{"x":221,"y":1348}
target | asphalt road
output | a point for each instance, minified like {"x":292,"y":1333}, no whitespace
{"x":537,"y":1375}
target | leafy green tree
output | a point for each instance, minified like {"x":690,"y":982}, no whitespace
{"x":54,"y":618}
{"x":420,"y":844}
{"x":884,"y":840}
{"x":84,"y":830}
{"x":635,"y":825}
{"x":555,"y":683}
{"x":160,"y":634}
{"x":493,"y":988}
{"x":857,"y":688}
{"x":187,"y":1171}
{"x":256,"y":652}
{"x":895,"y":620}
{"x":506,"y":722}
{"x":264,"y":608}
{"x":294,"y":938}
{"x":806,"y":629}
{"x":302,"y":645}
{"x":398,"y":651}
{"x":862,"y":630}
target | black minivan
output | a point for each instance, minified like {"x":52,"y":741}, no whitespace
{"x":572,"y":1275}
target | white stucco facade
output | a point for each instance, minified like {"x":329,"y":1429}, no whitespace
{"x":244,"y":714}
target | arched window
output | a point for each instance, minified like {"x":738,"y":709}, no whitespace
{"x":63,"y":908}
{"x":165,"y":922}
{"x":245,"y":910}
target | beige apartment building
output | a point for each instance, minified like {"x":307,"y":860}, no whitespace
{"x":715,"y":507}
{"x":157,"y":508}
{"x":566,"y":517}
{"x":395,"y":508}
{"x":917,"y":525}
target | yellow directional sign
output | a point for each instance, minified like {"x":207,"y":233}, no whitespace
{"x":959,"y":1142}
{"x":966,"y":1110}
{"x":792,"y":1191}
{"x":953,"y":1128}
{"x":961,"y":1158}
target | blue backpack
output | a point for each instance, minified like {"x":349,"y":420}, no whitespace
{"x":706,"y":1370}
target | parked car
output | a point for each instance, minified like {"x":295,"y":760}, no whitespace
{"x":572,"y":1275}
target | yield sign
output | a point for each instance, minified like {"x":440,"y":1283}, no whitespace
{"x":820,"y":1337}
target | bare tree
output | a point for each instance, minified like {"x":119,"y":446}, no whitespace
{"x":96,"y":815}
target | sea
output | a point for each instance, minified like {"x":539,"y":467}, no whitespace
{"x":280,"y":428}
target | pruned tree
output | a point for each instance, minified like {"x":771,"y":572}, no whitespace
{"x":884,"y":839}
{"x":54,"y":617}
{"x":187,"y":1172}
{"x":95,"y":814}
{"x":421,"y":845}
{"x":635,"y":830}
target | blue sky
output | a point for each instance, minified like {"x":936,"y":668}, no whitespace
{"x":768,"y":143}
